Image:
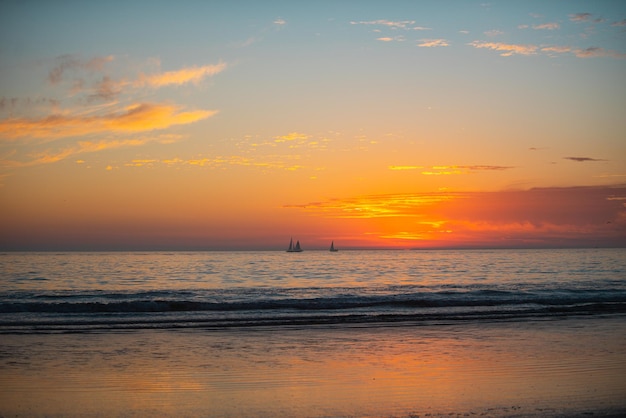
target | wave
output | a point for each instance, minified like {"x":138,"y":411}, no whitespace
{"x":261,"y":307}
{"x":122,"y":303}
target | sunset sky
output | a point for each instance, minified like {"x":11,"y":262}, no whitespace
{"x":241,"y":124}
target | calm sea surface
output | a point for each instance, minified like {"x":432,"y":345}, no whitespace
{"x":45,"y":292}
{"x":314,"y":334}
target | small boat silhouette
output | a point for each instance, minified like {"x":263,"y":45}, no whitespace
{"x":294,"y":248}
{"x":332,"y":247}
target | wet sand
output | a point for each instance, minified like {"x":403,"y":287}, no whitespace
{"x":570,"y":367}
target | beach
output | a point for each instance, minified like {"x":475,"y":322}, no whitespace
{"x":571,"y":367}
{"x":499,"y":333}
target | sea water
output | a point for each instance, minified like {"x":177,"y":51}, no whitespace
{"x":352,"y":333}
{"x":45,"y":292}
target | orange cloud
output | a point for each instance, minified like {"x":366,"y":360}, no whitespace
{"x":292,"y":136}
{"x":509,"y":49}
{"x":432,"y":43}
{"x":375,"y":206}
{"x":557,"y":49}
{"x":82,"y":147}
{"x":136,"y":118}
{"x":405,"y":167}
{"x":543,"y":216}
{"x":182,"y":76}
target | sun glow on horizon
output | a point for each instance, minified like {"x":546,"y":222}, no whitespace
{"x":400,"y":126}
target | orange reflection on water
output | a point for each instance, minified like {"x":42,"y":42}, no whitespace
{"x":498,"y":369}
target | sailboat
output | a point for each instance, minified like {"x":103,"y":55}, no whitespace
{"x":294,"y":248}
{"x":332,"y":247}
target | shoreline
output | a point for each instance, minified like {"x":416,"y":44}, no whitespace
{"x":567,"y":367}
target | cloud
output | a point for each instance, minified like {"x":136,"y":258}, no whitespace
{"x":493,"y":32}
{"x":557,"y":49}
{"x":405,"y":167}
{"x":82,"y":147}
{"x":547,"y":26}
{"x":140,"y":117}
{"x":13,"y":104}
{"x":107,"y":89}
{"x":512,"y":49}
{"x":582,"y":159}
{"x":77,"y":121}
{"x":447,"y":170}
{"x":399,"y":38}
{"x":486,"y":167}
{"x":595,"y":51}
{"x":70,"y":62}
{"x":619,"y":23}
{"x":508,"y":49}
{"x":398,"y":24}
{"x":432,"y":43}
{"x":580,"y":17}
{"x":180,"y":77}
{"x":535,"y":217}
{"x":373,"y":206}
{"x":280,"y":22}
{"x":292,"y":136}
{"x":222,"y":161}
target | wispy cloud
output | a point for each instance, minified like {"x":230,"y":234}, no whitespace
{"x":582,"y":159}
{"x":580,"y":17}
{"x":69,"y":62}
{"x":180,"y":77}
{"x":557,"y":49}
{"x":493,"y":32}
{"x":267,"y":162}
{"x":92,"y":103}
{"x":398,"y":38}
{"x":619,"y":23}
{"x":432,"y":43}
{"x":80,"y":148}
{"x":513,"y":49}
{"x":397,"y":24}
{"x":136,"y":118}
{"x":280,"y":22}
{"x":373,"y":206}
{"x":292,"y":136}
{"x":547,"y":26}
{"x":448,"y":170}
{"x":91,"y":78}
{"x":594,"y":51}
{"x":507,"y":49}
{"x":405,"y":167}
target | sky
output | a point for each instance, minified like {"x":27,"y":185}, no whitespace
{"x":190,"y":125}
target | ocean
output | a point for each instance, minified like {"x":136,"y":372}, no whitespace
{"x":312,"y":331}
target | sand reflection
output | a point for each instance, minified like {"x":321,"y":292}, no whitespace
{"x":493,"y":369}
